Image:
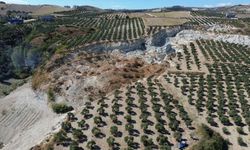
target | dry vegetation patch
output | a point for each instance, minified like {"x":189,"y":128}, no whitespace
{"x":164,"y":21}
{"x":173,"y":14}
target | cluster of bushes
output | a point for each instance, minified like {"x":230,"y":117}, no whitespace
{"x":210,"y":140}
{"x":18,"y":57}
{"x":10,"y":37}
{"x":195,"y":54}
{"x":61,"y":108}
{"x":187,"y":57}
{"x":51,"y":95}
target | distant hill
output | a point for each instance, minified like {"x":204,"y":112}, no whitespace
{"x":178,"y":8}
{"x":242,"y":11}
{"x":34,"y":9}
{"x":242,"y":8}
{"x":235,"y":8}
{"x":89,"y":8}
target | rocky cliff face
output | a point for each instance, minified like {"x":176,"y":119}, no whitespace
{"x":100,"y":68}
{"x":122,"y":46}
{"x":152,"y":49}
{"x":159,"y":45}
{"x":159,"y":39}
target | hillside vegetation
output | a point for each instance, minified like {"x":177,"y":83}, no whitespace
{"x":126,"y":80}
{"x":35,"y":10}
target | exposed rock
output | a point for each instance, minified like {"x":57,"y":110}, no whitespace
{"x":100,"y":68}
{"x":222,"y":28}
{"x":153,"y":49}
{"x":159,"y":39}
{"x":122,"y":46}
{"x":186,"y":36}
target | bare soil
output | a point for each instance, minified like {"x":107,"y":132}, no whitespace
{"x":26,"y":119}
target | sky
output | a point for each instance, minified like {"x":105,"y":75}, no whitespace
{"x":133,"y":4}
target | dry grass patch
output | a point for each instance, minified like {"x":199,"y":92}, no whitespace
{"x":164,"y":21}
{"x":174,"y":14}
{"x":38,"y":79}
{"x":142,"y":15}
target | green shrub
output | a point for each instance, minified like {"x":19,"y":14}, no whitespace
{"x":241,"y":142}
{"x":110,"y":141}
{"x":240,"y":130}
{"x":61,"y":108}
{"x":61,"y":137}
{"x":210,"y":140}
{"x":51,"y":95}
{"x":177,"y":135}
{"x":77,"y":134}
{"x":66,"y":126}
{"x":74,"y":146}
{"x":225,"y":130}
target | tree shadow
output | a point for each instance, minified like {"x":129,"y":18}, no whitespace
{"x":96,"y":147}
{"x":100,"y":135}
{"x":152,"y":147}
{"x":162,"y":121}
{"x":164,"y":132}
{"x":118,"y":122}
{"x":134,"y":105}
{"x":135,"y":145}
{"x":102,"y":124}
{"x":88,"y":116}
{"x":180,"y":129}
{"x":151,"y":123}
{"x":116,"y":146}
{"x":118,"y":134}
{"x":103,"y":114}
{"x":191,"y":128}
{"x":132,"y":121}
{"x":83,"y":139}
{"x":134,"y":132}
{"x":132,"y":113}
{"x":119,"y":113}
{"x":85,"y":127}
{"x":90,"y":107}
{"x":150,"y":132}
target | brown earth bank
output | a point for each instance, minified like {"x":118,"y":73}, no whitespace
{"x":92,"y":75}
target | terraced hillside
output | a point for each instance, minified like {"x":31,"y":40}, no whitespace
{"x":118,"y":29}
{"x":209,"y":84}
{"x":100,"y":27}
{"x":213,"y":77}
{"x":142,"y":115}
{"x":210,"y":18}
{"x":125,"y":81}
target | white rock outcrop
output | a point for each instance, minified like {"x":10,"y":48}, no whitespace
{"x":186,"y":36}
